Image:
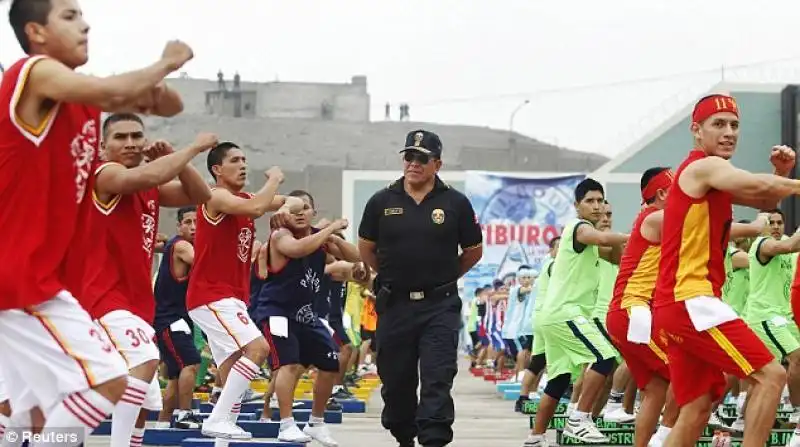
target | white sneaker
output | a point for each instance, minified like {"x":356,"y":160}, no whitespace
{"x":293,"y":434}
{"x":320,"y":433}
{"x":794,"y":418}
{"x":570,"y":408}
{"x":535,"y":441}
{"x":738,"y":425}
{"x":620,"y":416}
{"x":224,"y":429}
{"x":585,"y":431}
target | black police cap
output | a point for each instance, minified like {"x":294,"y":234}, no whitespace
{"x":425,"y":142}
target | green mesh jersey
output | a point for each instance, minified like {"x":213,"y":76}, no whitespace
{"x":541,"y":288}
{"x":472,"y":322}
{"x":769,"y":286}
{"x":605,"y":289}
{"x":737,"y":283}
{"x":573,"y":283}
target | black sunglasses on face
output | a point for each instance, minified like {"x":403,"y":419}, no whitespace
{"x":419,"y":157}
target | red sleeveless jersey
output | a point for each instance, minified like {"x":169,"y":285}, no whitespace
{"x":694,"y":238}
{"x":638,"y":268}
{"x":127,"y":227}
{"x":221,"y":268}
{"x":44,"y":171}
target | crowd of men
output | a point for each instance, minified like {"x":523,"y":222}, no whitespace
{"x":688,"y":315}
{"x":670,"y":309}
{"x":79,"y":313}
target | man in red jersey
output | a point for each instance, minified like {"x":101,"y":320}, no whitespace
{"x":49,"y":119}
{"x":127,"y":196}
{"x":219,"y":287}
{"x":706,"y":337}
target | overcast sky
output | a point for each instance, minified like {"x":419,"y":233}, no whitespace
{"x":597,"y":73}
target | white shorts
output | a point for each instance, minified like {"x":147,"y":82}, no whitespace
{"x":153,"y":401}
{"x":227,"y":325}
{"x":131,"y":336}
{"x":53,"y":350}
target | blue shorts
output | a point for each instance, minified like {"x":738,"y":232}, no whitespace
{"x":177,"y":351}
{"x":497,"y":341}
{"x":339,"y":333}
{"x":306,"y":345}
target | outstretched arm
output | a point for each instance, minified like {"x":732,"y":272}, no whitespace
{"x":51,"y":80}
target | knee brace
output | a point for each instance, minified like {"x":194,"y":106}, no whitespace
{"x":556,"y":386}
{"x":604,"y":367}
{"x":537,"y":364}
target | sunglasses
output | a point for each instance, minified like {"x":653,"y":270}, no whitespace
{"x":416,"y":156}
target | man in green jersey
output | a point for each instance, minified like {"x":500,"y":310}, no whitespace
{"x":737,"y":271}
{"x":605,"y":290}
{"x":768,"y":310}
{"x":530,"y":380}
{"x":571,"y":338}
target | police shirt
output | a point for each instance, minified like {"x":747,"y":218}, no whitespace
{"x":417,"y":245}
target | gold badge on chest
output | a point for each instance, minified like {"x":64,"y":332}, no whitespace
{"x":438,"y":216}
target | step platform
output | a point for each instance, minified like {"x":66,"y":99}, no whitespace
{"x":532,"y":406}
{"x":778,"y":438}
{"x":348,"y":406}
{"x":209,"y":442}
{"x":503,"y":387}
{"x":511,"y":395}
{"x":560,"y":420}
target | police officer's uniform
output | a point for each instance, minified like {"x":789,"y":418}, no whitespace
{"x":419,"y":310}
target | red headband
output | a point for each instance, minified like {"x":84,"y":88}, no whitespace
{"x":662,"y":180}
{"x":714,"y":104}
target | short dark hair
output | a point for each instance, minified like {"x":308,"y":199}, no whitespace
{"x":585,"y":186}
{"x":303,"y":193}
{"x":120,"y":117}
{"x":217,"y":154}
{"x":186,"y":209}
{"x":554,"y":241}
{"x":777,"y":211}
{"x":479,"y":290}
{"x":23,"y":12}
{"x":524,"y":267}
{"x":647,"y":176}
{"x":743,"y":221}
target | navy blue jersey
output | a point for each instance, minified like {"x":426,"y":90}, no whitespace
{"x":322,"y":304}
{"x":336,"y":294}
{"x":256,"y":282}
{"x":291,"y":292}
{"x":170,"y":292}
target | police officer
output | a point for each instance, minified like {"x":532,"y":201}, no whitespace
{"x":410,"y":234}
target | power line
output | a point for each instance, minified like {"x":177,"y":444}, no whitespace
{"x":573,"y":88}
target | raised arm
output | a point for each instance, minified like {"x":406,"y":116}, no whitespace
{"x":117,"y":179}
{"x":589,"y":235}
{"x":52,"y":80}
{"x":752,"y":229}
{"x":223,"y":201}
{"x":287,"y":245}
{"x":769,"y":247}
{"x":341,"y":249}
{"x":739,"y":260}
{"x":190,"y":188}
{"x":754,"y":190}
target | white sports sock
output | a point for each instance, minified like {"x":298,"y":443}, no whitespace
{"x":242,"y":373}
{"x":127,"y":411}
{"x":662,"y":431}
{"x":85,"y":409}
{"x":137,"y":437}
